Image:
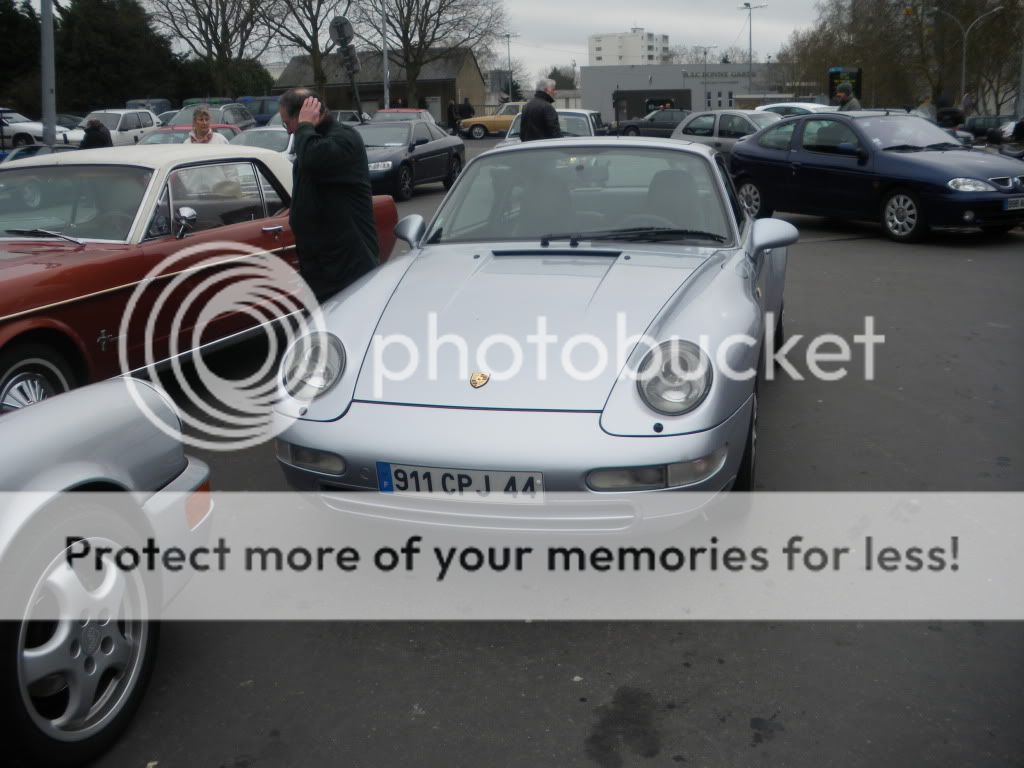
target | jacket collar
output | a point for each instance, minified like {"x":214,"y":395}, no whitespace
{"x":543,"y":95}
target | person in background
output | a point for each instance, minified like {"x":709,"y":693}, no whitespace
{"x":201,"y":132}
{"x":332,"y":201}
{"x":540,"y":120}
{"x":847,"y":101}
{"x":96,"y":135}
{"x":453,"y":118}
{"x":927,"y":109}
{"x":967,"y":105}
{"x":466,"y":110}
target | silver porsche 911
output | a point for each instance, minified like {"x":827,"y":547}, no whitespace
{"x":580,"y":315}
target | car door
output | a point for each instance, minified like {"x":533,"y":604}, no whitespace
{"x":699,"y":128}
{"x":828,"y":175}
{"x":731,"y":127}
{"x":428,"y":155}
{"x":147,"y":120}
{"x":663,"y":124}
{"x":128,"y":129}
{"x":767,"y":162}
{"x":241,"y":225}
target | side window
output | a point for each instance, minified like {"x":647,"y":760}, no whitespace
{"x":826,"y":136}
{"x":160,"y":224}
{"x":221,"y":194}
{"x":271,"y":196}
{"x":702,"y":125}
{"x":145,"y":119}
{"x":244,"y":114}
{"x":436,"y":132}
{"x":129,"y":122}
{"x":513,"y":130}
{"x":733,"y":127}
{"x":778,"y":137}
{"x":420,"y":132}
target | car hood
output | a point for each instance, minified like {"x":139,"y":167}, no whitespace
{"x":502,"y":296}
{"x":969,"y":163}
{"x":40,"y":272}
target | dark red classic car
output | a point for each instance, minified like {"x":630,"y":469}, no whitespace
{"x":81,"y":234}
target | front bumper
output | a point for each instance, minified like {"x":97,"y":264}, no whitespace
{"x":973,"y":209}
{"x":563,"y":446}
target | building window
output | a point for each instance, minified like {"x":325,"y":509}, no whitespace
{"x":598,"y":48}
{"x":598,"y":58}
{"x":650,"y":58}
{"x":730,"y":99}
{"x":650,"y":47}
{"x":707,"y":99}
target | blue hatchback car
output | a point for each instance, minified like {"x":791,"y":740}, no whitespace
{"x":899,"y":169}
{"x":262,"y":107}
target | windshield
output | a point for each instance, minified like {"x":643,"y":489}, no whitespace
{"x":886,"y":131}
{"x":110,"y":120}
{"x":606,"y":192}
{"x":82,"y":201}
{"x":14,"y":117}
{"x":275,"y":140}
{"x":761,"y":119}
{"x":184,"y":115}
{"x":384,"y":135}
{"x":392,"y":117}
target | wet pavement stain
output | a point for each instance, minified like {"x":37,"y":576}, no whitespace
{"x":764,"y":729}
{"x":629,"y":722}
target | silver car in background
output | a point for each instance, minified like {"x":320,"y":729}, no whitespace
{"x":600,"y":241}
{"x":69,"y":685}
{"x":722,"y":128}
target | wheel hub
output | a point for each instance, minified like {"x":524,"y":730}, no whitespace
{"x":25,"y":389}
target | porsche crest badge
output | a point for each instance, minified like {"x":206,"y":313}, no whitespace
{"x":478,"y":379}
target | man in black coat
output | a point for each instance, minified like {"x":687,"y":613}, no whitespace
{"x":332,"y":201}
{"x":540,"y":120}
{"x":96,"y":135}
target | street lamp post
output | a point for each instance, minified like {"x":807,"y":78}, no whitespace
{"x":706,"y":100}
{"x":508,"y":43}
{"x":750,"y":8}
{"x":966,"y":32}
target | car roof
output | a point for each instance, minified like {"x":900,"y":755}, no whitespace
{"x":811,"y":105}
{"x":400,"y":109}
{"x":188,"y":127}
{"x":612,"y":141}
{"x":155,"y":156}
{"x":119,"y":111}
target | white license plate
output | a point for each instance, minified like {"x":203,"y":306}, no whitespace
{"x":1014,"y":204}
{"x":461,"y":484}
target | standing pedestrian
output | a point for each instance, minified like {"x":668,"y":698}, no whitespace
{"x":927,"y":109}
{"x":466,"y":110}
{"x":453,"y":118}
{"x":201,"y":132}
{"x":96,"y":135}
{"x":332,"y":200}
{"x":967,"y":104}
{"x":847,"y":101}
{"x":540,"y":120}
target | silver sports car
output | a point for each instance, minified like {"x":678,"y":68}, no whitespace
{"x":580,"y":315}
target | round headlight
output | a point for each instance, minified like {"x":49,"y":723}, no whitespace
{"x":674,"y":377}
{"x":313,"y":365}
{"x":970,"y":185}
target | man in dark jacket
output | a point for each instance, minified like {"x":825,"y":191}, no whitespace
{"x":332,"y":201}
{"x":96,"y":135}
{"x":540,"y":120}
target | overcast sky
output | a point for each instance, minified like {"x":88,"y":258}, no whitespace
{"x":556,"y":32}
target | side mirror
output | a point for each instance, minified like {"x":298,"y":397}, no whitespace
{"x":410,"y":229}
{"x":186,"y":220}
{"x":771,"y":233}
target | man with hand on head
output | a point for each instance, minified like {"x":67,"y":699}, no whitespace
{"x":332,"y":200}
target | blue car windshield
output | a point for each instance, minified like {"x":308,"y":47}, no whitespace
{"x":393,"y":135}
{"x":885,"y":131}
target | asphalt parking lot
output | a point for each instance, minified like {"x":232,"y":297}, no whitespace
{"x":943,"y":414}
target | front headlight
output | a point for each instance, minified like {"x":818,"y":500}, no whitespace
{"x":970,"y":185}
{"x":385,"y":166}
{"x":674,"y":377}
{"x":312,"y":366}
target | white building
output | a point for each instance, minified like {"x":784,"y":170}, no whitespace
{"x":634,"y":47}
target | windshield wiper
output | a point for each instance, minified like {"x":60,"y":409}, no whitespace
{"x":634,"y":234}
{"x":946,"y":145}
{"x":903,"y":148}
{"x":44,"y":232}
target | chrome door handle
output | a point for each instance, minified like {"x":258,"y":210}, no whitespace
{"x":275,"y":230}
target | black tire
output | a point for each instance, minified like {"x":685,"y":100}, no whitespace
{"x":478,"y":132}
{"x":454,"y":169}
{"x":631,"y":131}
{"x":116,"y":655}
{"x":30,"y":373}
{"x":21,"y":140}
{"x":748,"y":464}
{"x":903,"y":218}
{"x":753,"y":199}
{"x":403,"y":183}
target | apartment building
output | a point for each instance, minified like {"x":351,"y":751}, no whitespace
{"x":634,"y":47}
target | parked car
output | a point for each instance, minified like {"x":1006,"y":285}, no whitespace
{"x":479,"y":126}
{"x":268,"y":137}
{"x":347,"y":116}
{"x":31,"y":150}
{"x":393,"y":114}
{"x":572,"y":123}
{"x":900,"y":169}
{"x":980,"y":125}
{"x":604,"y":238}
{"x":65,"y":120}
{"x":16,"y":130}
{"x":212,"y":101}
{"x":177,"y":134}
{"x":722,"y":128}
{"x":659,"y":123}
{"x":787,"y":108}
{"x":153,"y":105}
{"x":69,"y":680}
{"x":262,"y":107}
{"x":126,"y":126}
{"x":225,"y":114}
{"x":165,"y":117}
{"x":99,"y":221}
{"x":410,"y":152}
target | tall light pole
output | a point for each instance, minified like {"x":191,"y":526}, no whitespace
{"x":750,"y":8}
{"x":508,"y":44}
{"x":706,"y":100}
{"x":47,"y":74}
{"x":768,"y":76}
{"x":966,"y":32}
{"x":384,"y":48}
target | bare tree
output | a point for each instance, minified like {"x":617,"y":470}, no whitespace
{"x":423,"y":31}
{"x":302,"y":25}
{"x":216,"y":31}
